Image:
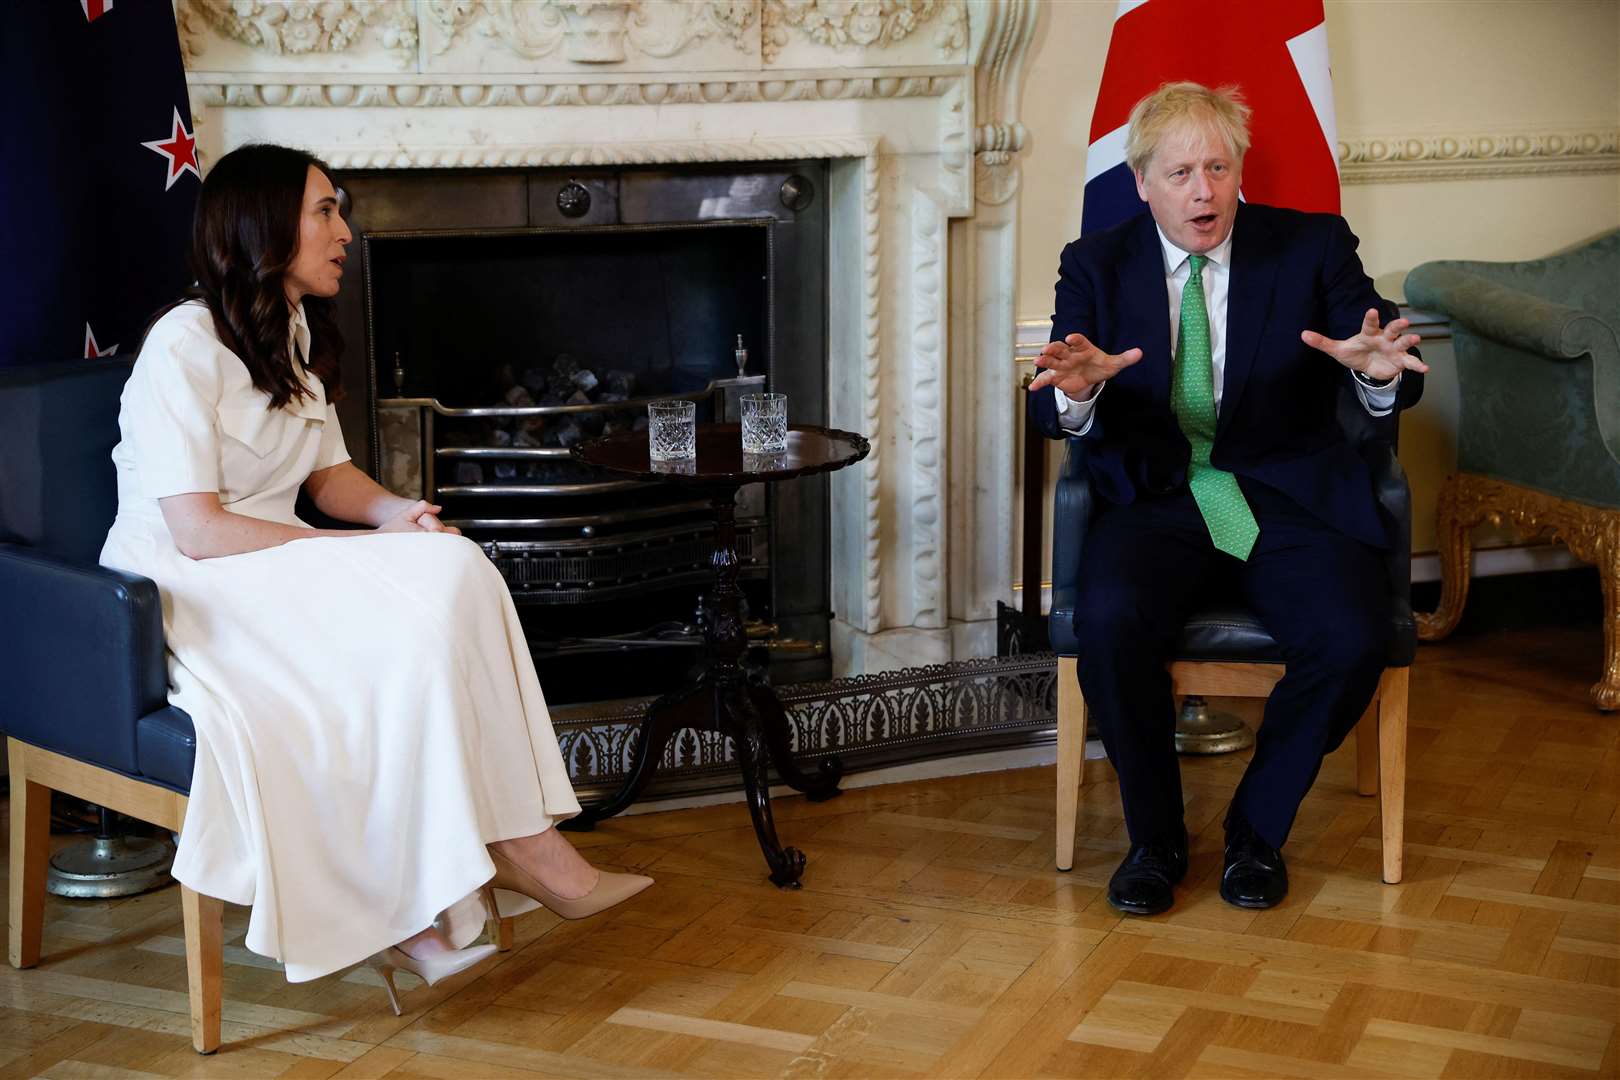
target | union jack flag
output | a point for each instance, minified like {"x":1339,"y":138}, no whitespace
{"x":1276,"y":51}
{"x":100,"y":178}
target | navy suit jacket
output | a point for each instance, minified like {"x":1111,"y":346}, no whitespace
{"x":1290,"y":271}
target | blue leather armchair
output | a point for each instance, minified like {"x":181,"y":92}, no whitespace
{"x":86,"y":710}
{"x":1224,"y":650}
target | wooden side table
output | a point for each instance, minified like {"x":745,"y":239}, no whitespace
{"x":725,"y":693}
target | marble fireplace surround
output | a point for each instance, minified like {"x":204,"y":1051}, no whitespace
{"x":912,"y":102}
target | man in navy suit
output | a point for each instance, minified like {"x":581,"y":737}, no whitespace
{"x":1199,"y":351}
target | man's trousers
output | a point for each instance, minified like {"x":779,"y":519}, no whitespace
{"x":1146,"y":566}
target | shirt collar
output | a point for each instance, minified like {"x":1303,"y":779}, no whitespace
{"x":313,"y":406}
{"x":1174,"y":256}
{"x":298,"y":332}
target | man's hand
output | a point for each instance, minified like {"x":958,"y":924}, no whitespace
{"x":1074,"y":365}
{"x":418,"y":516}
{"x":1378,"y":354}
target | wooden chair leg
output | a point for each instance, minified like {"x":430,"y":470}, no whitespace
{"x":1071,"y":756}
{"x":505,"y":933}
{"x":1367,"y":749}
{"x":1606,"y":691}
{"x":204,"y":917}
{"x":30,"y":857}
{"x":1392,"y":768}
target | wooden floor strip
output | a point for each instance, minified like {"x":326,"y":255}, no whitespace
{"x":893,"y":1003}
{"x":711,"y":1029}
{"x":1485,"y":1044}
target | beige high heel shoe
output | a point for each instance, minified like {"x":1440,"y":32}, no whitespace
{"x":430,"y":970}
{"x":610,"y":889}
{"x":463,"y":921}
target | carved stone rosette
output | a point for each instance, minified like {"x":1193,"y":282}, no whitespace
{"x":1591,"y":533}
{"x":591,"y":31}
{"x":292,"y":27}
{"x":860,"y":24}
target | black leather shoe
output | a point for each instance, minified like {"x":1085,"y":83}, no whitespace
{"x":1145,"y":882}
{"x":1255,"y":875}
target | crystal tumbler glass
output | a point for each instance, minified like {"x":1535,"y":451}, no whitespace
{"x":764,"y":423}
{"x":671,"y":430}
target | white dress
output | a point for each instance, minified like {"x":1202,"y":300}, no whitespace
{"x":367,"y":712}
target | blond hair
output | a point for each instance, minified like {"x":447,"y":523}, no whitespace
{"x":1176,"y":106}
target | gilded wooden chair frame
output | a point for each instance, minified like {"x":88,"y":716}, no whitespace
{"x":1591,"y":533}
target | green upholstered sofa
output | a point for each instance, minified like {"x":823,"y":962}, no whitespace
{"x":1538,"y":370}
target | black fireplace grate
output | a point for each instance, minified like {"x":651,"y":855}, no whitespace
{"x":536,"y":574}
{"x":503,"y":336}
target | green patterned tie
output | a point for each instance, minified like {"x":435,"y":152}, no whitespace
{"x":1192,"y":397}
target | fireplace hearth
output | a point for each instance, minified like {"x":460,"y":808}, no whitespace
{"x":505,"y":324}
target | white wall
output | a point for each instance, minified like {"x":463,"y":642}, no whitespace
{"x":1399,"y":68}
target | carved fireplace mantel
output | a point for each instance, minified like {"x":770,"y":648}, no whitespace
{"x":913,"y":102}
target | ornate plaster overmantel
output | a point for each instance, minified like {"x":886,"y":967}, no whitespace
{"x":915,"y":104}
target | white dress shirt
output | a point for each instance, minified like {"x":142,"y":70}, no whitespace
{"x":191,"y":420}
{"x":1075,"y":416}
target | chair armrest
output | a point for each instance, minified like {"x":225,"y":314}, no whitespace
{"x":1524,"y":321}
{"x":1394,"y":496}
{"x":1071,"y":513}
{"x":83,"y":653}
{"x":1499,"y":312}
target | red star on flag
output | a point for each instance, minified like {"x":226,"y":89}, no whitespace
{"x":181,"y":150}
{"x":91,"y":349}
{"x":95,"y":9}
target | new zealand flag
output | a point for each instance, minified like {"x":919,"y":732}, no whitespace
{"x":100,"y":176}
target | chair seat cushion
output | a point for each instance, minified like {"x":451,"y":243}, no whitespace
{"x":1230,"y":632}
{"x":1227,"y":632}
{"x":166,"y":746}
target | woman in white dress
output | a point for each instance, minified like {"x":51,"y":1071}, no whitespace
{"x":373,"y":750}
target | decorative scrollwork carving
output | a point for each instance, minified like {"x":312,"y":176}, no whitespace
{"x":1002,"y":138}
{"x":253,"y":91}
{"x":729,"y":18}
{"x":577,"y":154}
{"x":866,"y":718}
{"x":592,"y":31}
{"x":1591,"y":533}
{"x":862,"y":24}
{"x":292,"y":28}
{"x":998,"y":77}
{"x":996,"y":177}
{"x":530,"y":30}
{"x":926,"y":355}
{"x":872,"y":386}
{"x":1459,"y":156}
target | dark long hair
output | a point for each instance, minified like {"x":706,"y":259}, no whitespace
{"x":243,"y":239}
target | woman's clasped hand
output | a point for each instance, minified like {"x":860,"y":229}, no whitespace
{"x":420,"y":515}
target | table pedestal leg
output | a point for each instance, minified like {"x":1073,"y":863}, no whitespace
{"x":741,"y":720}
{"x":664,"y":718}
{"x":774,"y":723}
{"x":726,"y":696}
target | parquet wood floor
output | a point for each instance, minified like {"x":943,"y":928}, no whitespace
{"x":933,"y":938}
